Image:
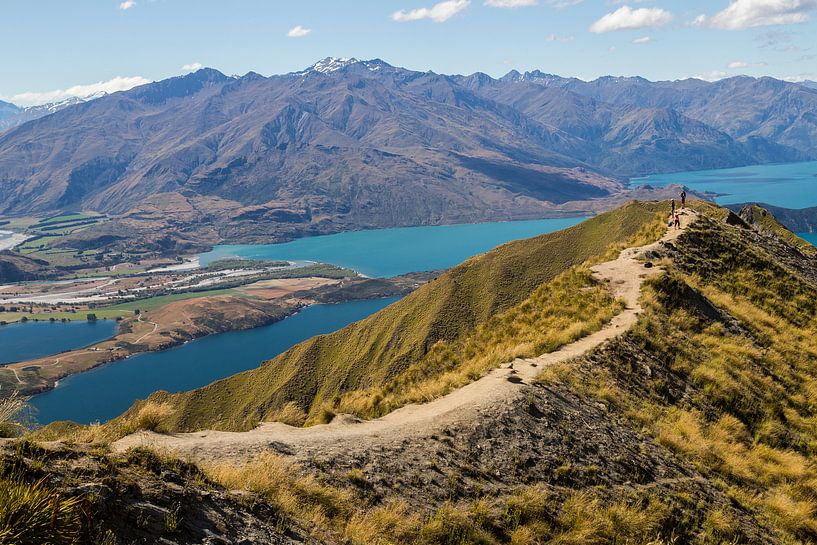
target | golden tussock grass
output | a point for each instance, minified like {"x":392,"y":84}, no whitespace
{"x":281,"y":482}
{"x":151,"y":416}
{"x":555,"y":314}
{"x":33,"y":514}
{"x":291,"y":414}
{"x":530,"y":515}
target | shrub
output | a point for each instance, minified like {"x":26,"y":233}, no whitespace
{"x":291,"y":414}
{"x":152,"y":416}
{"x":33,"y":514}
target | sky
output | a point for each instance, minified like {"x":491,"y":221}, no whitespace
{"x":57,"y":48}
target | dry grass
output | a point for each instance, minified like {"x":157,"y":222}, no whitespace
{"x":555,"y":314}
{"x":291,"y":414}
{"x":33,"y":514}
{"x":151,"y":416}
{"x":530,"y":515}
{"x":293,"y":493}
{"x":393,"y":522}
{"x":748,"y":414}
{"x":10,"y":407}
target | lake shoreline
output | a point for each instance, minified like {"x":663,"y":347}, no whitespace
{"x":223,"y":314}
{"x":108,"y":356}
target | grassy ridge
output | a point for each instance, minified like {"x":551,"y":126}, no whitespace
{"x":731,"y":338}
{"x":371,"y":352}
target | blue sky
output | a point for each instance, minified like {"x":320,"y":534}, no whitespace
{"x":52,"y":46}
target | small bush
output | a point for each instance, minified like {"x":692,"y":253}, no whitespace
{"x":152,"y":416}
{"x":33,"y":514}
{"x":291,"y":414}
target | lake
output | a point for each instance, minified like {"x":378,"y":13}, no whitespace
{"x":790,"y":185}
{"x":105,"y":392}
{"x":25,"y":341}
{"x":391,"y":252}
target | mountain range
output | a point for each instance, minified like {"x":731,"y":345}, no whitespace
{"x":12,"y":115}
{"x":349,"y":144}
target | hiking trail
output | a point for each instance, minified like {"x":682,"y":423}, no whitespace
{"x":624,"y":275}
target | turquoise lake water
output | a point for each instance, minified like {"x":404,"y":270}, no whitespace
{"x":20,"y":342}
{"x":790,"y":185}
{"x":811,"y":237}
{"x":391,"y":252}
{"x":106,"y":392}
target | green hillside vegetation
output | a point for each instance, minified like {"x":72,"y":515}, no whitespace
{"x":374,"y":352}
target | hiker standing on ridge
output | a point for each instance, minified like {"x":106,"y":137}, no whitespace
{"x":676,"y":219}
{"x":683,"y":198}
{"x":673,"y":207}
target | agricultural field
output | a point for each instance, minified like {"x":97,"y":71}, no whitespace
{"x":46,"y":234}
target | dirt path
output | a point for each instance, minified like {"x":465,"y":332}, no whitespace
{"x":155,"y":328}
{"x":625,"y":276}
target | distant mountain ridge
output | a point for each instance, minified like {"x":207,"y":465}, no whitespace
{"x":12,"y":115}
{"x":349,"y":144}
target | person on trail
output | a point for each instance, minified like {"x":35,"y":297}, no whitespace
{"x":676,"y":220}
{"x":683,"y":199}
{"x":673,"y":206}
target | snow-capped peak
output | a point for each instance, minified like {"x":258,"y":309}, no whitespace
{"x":53,"y":107}
{"x":333,"y":64}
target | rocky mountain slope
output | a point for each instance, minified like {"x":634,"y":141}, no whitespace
{"x":13,"y":116}
{"x":352,"y":144}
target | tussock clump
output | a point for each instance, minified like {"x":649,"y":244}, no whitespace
{"x":291,"y":414}
{"x":152,"y":416}
{"x":282,"y":483}
{"x":11,"y":408}
{"x":33,"y":514}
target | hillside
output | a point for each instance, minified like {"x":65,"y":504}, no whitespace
{"x":692,"y":426}
{"x":400,"y":339}
{"x":362,"y":144}
{"x":15,"y":267}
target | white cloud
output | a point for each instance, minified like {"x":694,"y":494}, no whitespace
{"x":192,"y":67}
{"x":438,"y":13}
{"x":737,"y":65}
{"x":714,"y":75}
{"x":127,"y":4}
{"x":559,"y":39}
{"x":298,"y":31}
{"x":33,"y":98}
{"x":626,"y":18}
{"x":800,"y":78}
{"x":510,"y":3}
{"x":642,"y":40}
{"x":741,"y":14}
